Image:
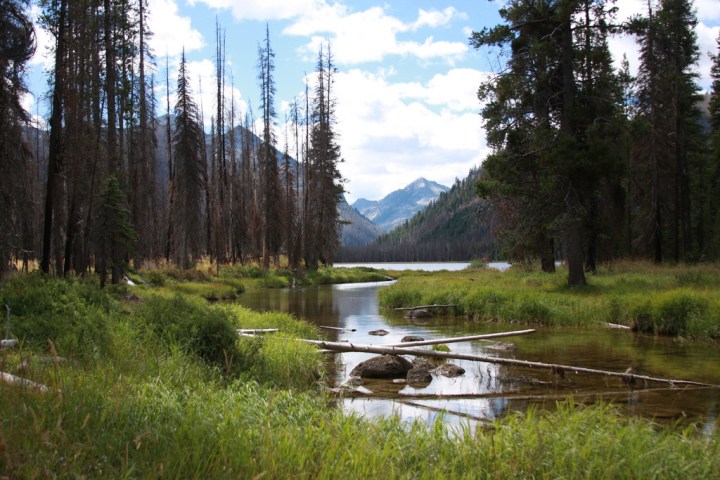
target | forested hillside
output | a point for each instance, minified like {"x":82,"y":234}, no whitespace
{"x":113,"y":185}
{"x":456,"y":226}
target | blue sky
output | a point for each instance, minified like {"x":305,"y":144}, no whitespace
{"x":407,"y":81}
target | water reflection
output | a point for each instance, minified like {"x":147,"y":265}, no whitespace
{"x":486,"y":390}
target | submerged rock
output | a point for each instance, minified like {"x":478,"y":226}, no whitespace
{"x":412,"y":338}
{"x":380,"y":333}
{"x":418,"y":313}
{"x":385,"y":366}
{"x":419,"y":376}
{"x":450,"y":370}
{"x":420,"y":362}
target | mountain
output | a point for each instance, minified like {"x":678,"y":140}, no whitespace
{"x":356,"y":229}
{"x":456,"y":226}
{"x":400,"y":205}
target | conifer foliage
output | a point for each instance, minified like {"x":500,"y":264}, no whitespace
{"x":588,"y":163}
{"x":121,"y":188}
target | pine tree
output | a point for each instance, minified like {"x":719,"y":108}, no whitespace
{"x":16,"y":180}
{"x":666,"y":155}
{"x":549,"y":116}
{"x":325,"y":187}
{"x":186,"y":216}
{"x":269,"y":173}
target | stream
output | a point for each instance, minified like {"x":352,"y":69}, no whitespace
{"x":487,"y":391}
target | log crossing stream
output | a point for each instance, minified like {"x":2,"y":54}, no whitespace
{"x":489,"y":390}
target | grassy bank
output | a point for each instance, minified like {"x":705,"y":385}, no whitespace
{"x":678,"y":301}
{"x":159,"y":386}
{"x":233,"y":280}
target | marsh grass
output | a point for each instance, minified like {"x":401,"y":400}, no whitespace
{"x":148,"y":404}
{"x":676,"y":301}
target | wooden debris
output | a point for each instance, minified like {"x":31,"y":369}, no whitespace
{"x":253,"y":331}
{"x":339,"y":329}
{"x":350,"y":347}
{"x":618,"y":326}
{"x":485,"y":336}
{"x":23,"y":382}
{"x":425,"y":307}
{"x":8,"y":343}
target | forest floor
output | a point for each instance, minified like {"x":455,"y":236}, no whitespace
{"x":154,"y":382}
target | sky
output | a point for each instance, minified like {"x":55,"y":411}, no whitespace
{"x":407,"y":80}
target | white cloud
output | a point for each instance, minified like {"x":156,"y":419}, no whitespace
{"x":370,"y":35}
{"x":708,"y":10}
{"x":436,"y":18}
{"x":394,"y":132}
{"x":45,"y":42}
{"x":171,"y":32}
{"x":264,"y":9}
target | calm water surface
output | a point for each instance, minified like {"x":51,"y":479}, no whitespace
{"x":488,"y":391}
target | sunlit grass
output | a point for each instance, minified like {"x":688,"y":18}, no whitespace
{"x":670,"y":300}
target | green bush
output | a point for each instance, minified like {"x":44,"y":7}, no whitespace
{"x":675,"y":312}
{"x":71,"y":313}
{"x":206,"y":332}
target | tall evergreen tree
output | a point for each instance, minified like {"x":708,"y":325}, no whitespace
{"x":17,"y":45}
{"x":269,"y":172}
{"x":186,"y":216}
{"x":325,"y":187}
{"x":548,"y":118}
{"x":666,"y":155}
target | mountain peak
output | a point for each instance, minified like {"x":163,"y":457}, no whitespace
{"x":400,"y":205}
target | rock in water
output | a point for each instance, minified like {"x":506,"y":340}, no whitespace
{"x":450,"y":370}
{"x":378,"y":332}
{"x":419,"y":376}
{"x":412,"y":338}
{"x":385,"y":366}
{"x":418,"y":313}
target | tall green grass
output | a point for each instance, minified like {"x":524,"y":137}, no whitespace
{"x":152,"y":403}
{"x":677,"y":301}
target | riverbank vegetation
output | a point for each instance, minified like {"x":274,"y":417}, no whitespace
{"x":158,"y":384}
{"x":667,"y":300}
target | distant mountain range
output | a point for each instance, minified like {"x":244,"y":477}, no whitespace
{"x":458,"y":225}
{"x":400,"y":205}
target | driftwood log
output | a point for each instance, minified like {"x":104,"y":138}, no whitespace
{"x":425,"y":307}
{"x":486,"y":336}
{"x":11,"y":379}
{"x":556,"y":368}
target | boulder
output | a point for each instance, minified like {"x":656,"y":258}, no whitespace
{"x":449,"y":370}
{"x":378,"y":332}
{"x":411,"y":338}
{"x":384,"y":366}
{"x":419,"y":376}
{"x":421,"y":362}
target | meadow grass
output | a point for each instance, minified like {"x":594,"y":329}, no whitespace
{"x":154,"y":399}
{"x":668,"y":300}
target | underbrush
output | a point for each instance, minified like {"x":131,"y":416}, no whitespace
{"x":676,"y":301}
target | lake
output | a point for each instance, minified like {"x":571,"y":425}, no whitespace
{"x":487,"y":390}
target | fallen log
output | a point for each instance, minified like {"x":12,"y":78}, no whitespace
{"x":557,"y":368}
{"x":618,"y":326}
{"x":423,"y":307}
{"x":23,"y":382}
{"x":338,"y":328}
{"x":8,"y":343}
{"x":253,"y":331}
{"x":470,"y":338}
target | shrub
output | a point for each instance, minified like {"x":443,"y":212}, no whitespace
{"x":206,"y":332}
{"x":675,"y":311}
{"x":71,"y":313}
